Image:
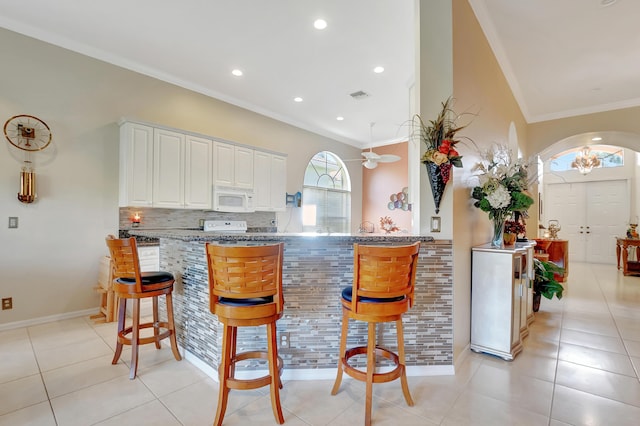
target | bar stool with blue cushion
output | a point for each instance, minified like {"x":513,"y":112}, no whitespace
{"x":245,"y":289}
{"x":130,"y":283}
{"x":383,"y":289}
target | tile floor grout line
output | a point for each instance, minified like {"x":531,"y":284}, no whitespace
{"x":44,"y":385}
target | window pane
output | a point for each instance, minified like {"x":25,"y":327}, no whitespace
{"x":326,"y":200}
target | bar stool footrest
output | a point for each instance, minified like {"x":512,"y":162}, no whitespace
{"x":377,"y":377}
{"x":258,"y":382}
{"x":125,"y":340}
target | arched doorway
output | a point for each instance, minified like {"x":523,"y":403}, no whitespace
{"x":595,"y":207}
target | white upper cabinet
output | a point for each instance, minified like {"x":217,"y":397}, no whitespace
{"x":164,"y":168}
{"x":168,"y":169}
{"x":136,"y":165}
{"x":270,"y":172}
{"x":198,"y":173}
{"x":233,"y":165}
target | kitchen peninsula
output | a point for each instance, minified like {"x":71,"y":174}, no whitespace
{"x":316,"y":268}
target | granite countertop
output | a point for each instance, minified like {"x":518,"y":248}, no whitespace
{"x":198,"y":235}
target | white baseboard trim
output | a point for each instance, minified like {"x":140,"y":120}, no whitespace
{"x":50,"y":318}
{"x":314,"y":373}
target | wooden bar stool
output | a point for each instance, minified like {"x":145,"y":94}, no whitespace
{"x":383,"y":289}
{"x":130,"y":283}
{"x":245,"y":289}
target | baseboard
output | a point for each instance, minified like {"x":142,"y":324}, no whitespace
{"x":314,"y":373}
{"x":50,"y":318}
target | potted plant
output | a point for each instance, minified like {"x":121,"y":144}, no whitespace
{"x":544,"y":282}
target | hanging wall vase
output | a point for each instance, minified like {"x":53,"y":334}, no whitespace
{"x":437,"y":183}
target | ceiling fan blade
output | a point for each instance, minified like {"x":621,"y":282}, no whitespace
{"x":388,"y":158}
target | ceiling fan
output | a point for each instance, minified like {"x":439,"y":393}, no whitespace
{"x":370,"y":159}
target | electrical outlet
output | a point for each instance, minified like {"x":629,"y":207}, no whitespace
{"x":285,"y":342}
{"x":7,"y":303}
{"x":13,"y":222}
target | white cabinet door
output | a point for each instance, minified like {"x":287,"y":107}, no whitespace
{"x":223,"y":163}
{"x":243,"y":170}
{"x":262,"y":180}
{"x":278,"y":183}
{"x":168,"y":169}
{"x":270,"y":176}
{"x":233,"y":165}
{"x":136,"y":165}
{"x":198,"y":173}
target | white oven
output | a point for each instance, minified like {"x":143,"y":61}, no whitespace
{"x":233,"y":200}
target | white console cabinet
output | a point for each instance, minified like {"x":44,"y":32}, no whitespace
{"x":499,"y":295}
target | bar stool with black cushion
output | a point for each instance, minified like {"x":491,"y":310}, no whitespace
{"x":130,"y":283}
{"x":383,"y":289}
{"x":245,"y":289}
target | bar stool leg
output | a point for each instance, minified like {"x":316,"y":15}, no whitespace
{"x":121,"y":317}
{"x":172,"y":328}
{"x":403,"y":377}
{"x":371,"y":368}
{"x":135,"y":336}
{"x":343,"y":349}
{"x":272,"y":350}
{"x":224,"y":372}
{"x":156,"y":326}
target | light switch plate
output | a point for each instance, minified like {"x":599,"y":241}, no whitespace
{"x":13,"y":221}
{"x":435,"y":223}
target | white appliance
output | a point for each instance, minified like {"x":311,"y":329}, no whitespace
{"x":226,"y":226}
{"x":233,"y":200}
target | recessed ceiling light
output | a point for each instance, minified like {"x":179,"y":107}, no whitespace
{"x":339,"y":118}
{"x":320,"y":24}
{"x":596,"y":139}
{"x":378,"y":70}
{"x":297,"y":99}
{"x":237,"y":72}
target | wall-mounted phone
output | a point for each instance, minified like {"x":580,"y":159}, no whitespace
{"x":295,"y":199}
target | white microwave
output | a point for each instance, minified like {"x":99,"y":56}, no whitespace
{"x":233,"y":200}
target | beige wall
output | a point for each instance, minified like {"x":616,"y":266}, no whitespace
{"x":378,"y":184}
{"x":479,"y":87}
{"x":50,"y":263}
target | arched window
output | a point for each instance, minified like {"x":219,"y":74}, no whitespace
{"x":326,"y":198}
{"x":609,"y":156}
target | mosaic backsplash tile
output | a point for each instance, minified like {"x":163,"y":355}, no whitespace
{"x":314,"y":273}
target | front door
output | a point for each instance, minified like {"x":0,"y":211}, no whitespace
{"x":591,"y":215}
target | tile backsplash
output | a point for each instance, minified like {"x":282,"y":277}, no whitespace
{"x":153,"y":218}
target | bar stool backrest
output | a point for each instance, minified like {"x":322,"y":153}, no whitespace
{"x":384,"y":272}
{"x":245,"y":272}
{"x":126,"y":264}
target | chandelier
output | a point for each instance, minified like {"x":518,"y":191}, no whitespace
{"x":585,"y":161}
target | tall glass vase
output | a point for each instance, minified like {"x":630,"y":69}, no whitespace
{"x":499,"y":219}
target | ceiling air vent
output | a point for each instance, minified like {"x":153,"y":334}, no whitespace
{"x":359,"y":95}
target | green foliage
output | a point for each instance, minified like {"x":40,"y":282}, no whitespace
{"x":544,"y":282}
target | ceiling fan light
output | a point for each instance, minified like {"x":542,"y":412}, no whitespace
{"x":369,"y":164}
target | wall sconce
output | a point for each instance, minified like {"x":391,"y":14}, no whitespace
{"x":135,"y":220}
{"x":27,"y":192}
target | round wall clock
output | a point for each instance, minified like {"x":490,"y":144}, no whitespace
{"x":27,"y":132}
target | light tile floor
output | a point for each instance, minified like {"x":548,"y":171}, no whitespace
{"x":580,"y":366}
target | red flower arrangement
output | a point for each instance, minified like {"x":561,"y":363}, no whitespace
{"x":514,"y":227}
